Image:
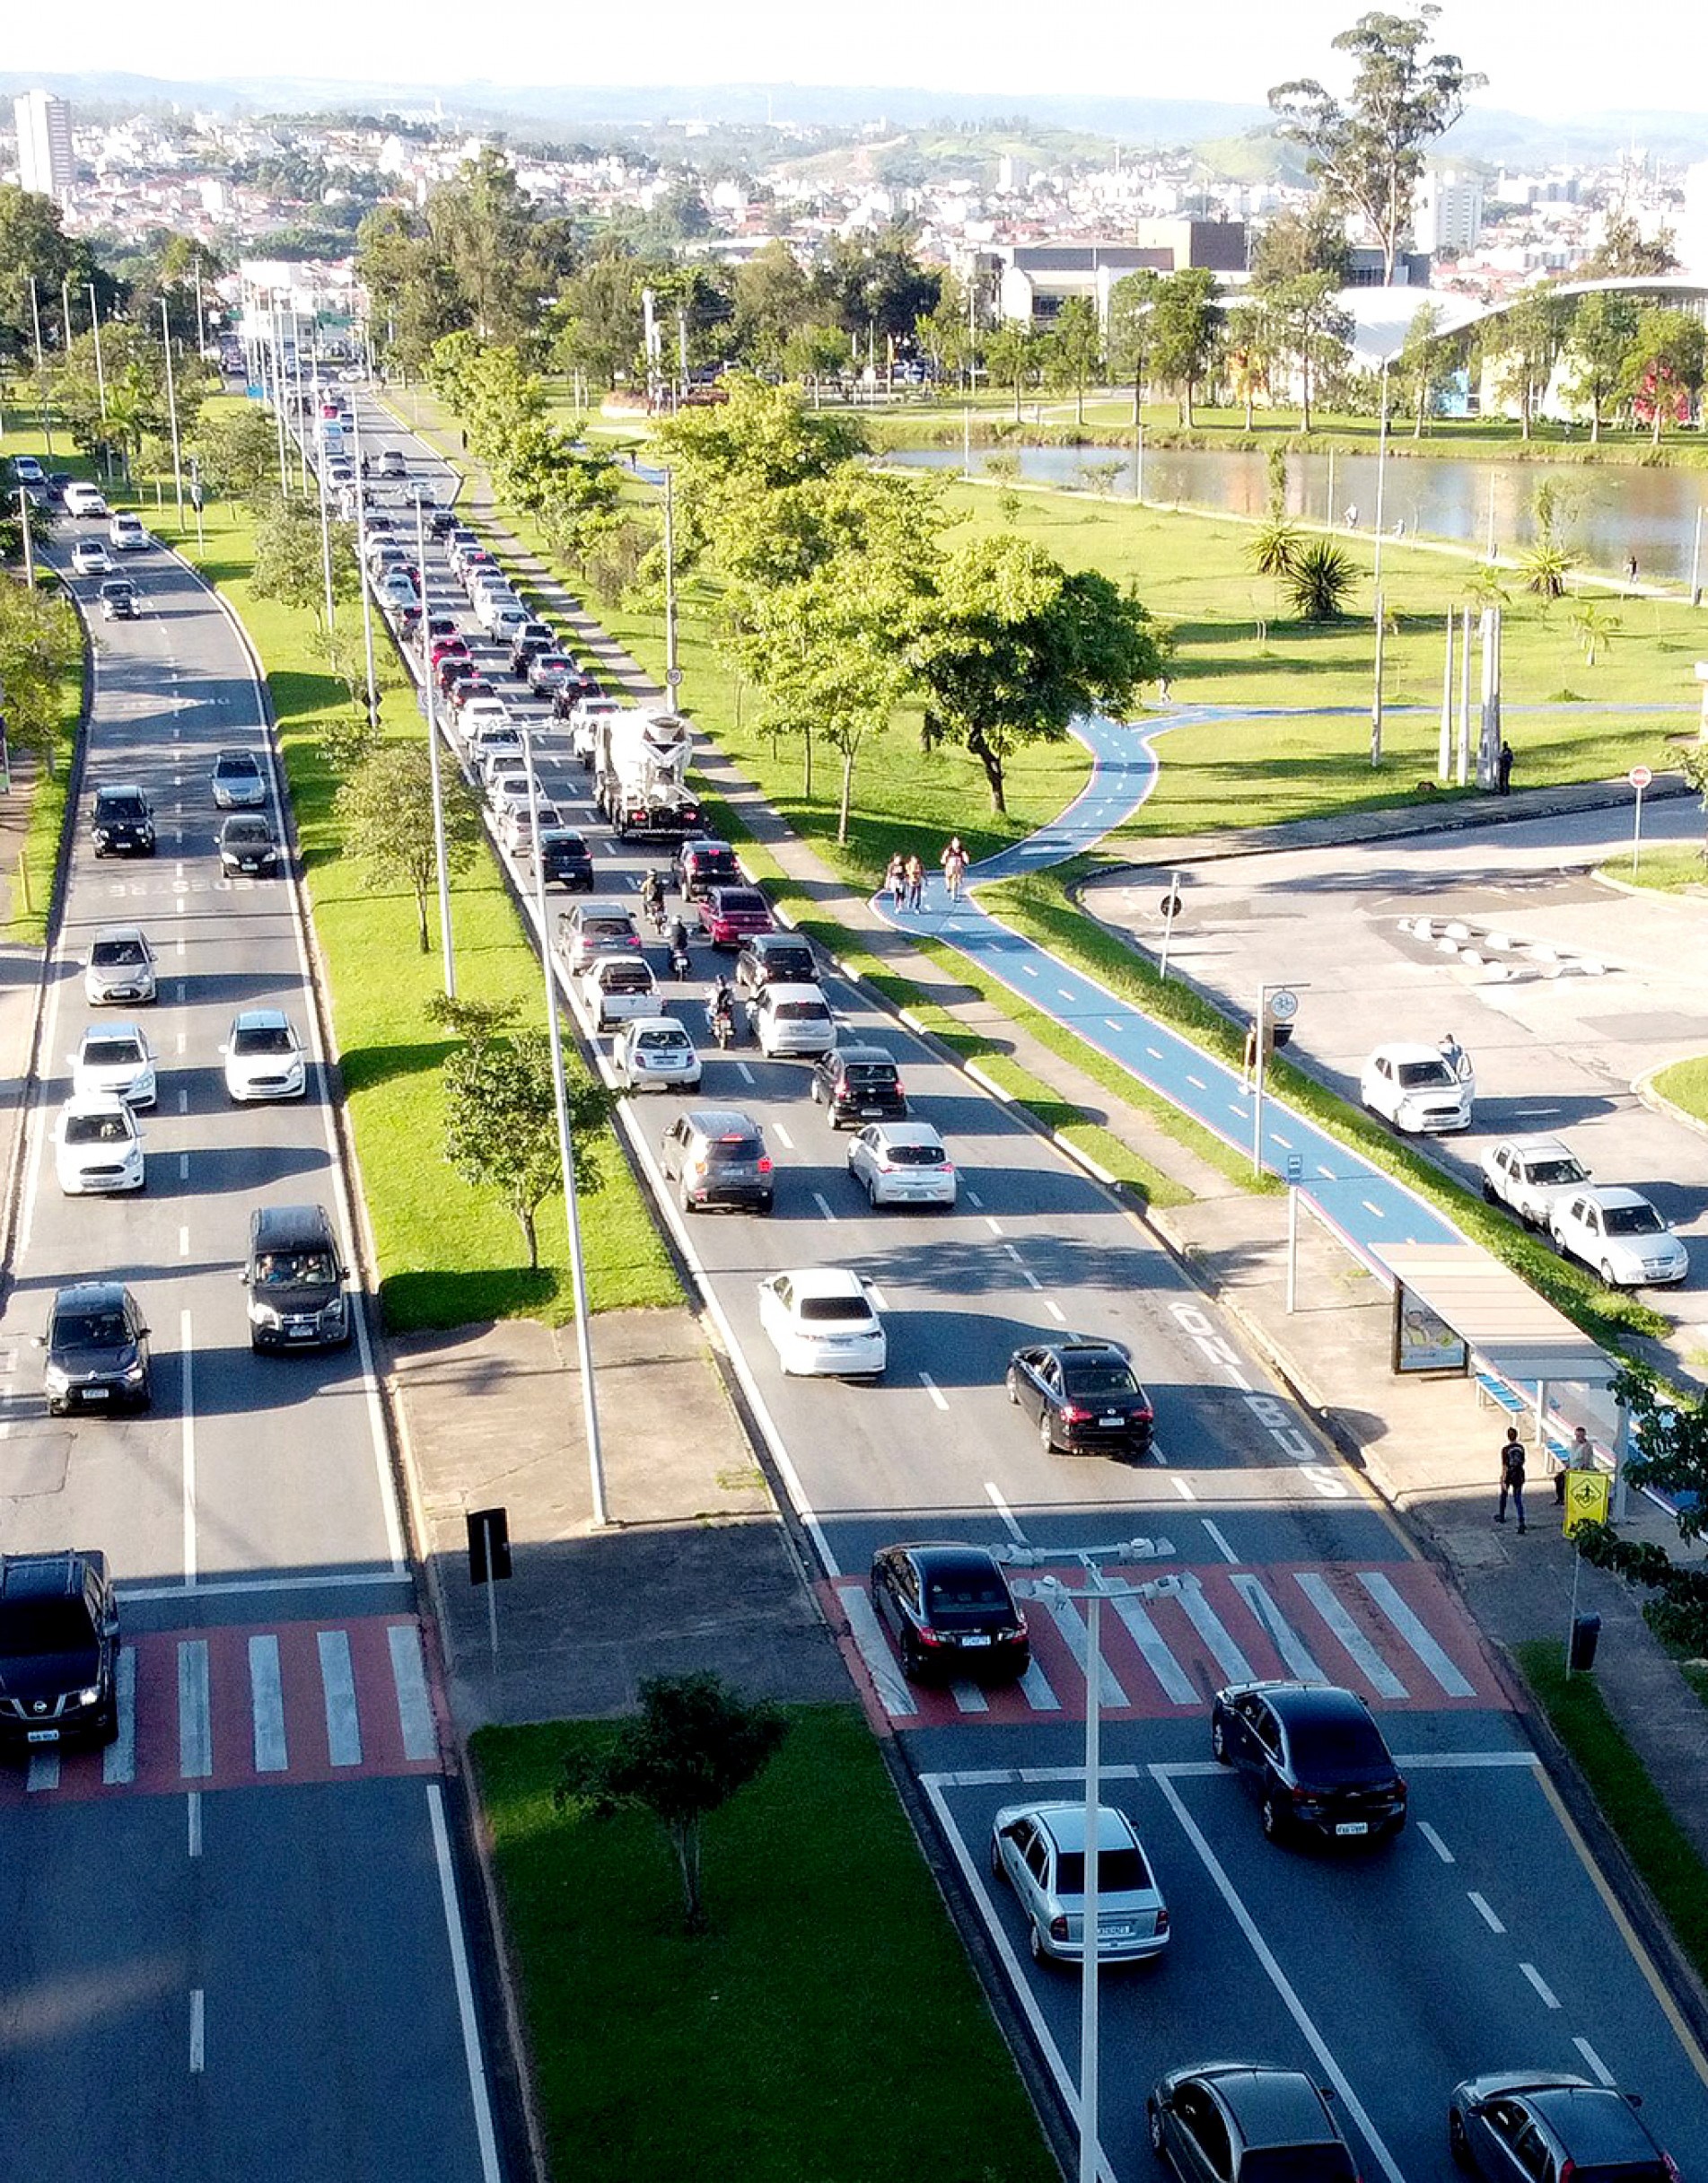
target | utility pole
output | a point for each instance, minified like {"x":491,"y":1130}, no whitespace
{"x":673,"y":673}
{"x":28,"y":543}
{"x":446,"y":938}
{"x":100,"y":369}
{"x":171,"y":410}
{"x":325,"y":518}
{"x":44,"y":414}
{"x":1381,"y":614}
{"x":362,"y":576}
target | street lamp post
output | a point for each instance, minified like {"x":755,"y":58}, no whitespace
{"x":326,"y":515}
{"x":171,"y":410}
{"x":1381,"y":618}
{"x":362,"y":576}
{"x":101,"y":368}
{"x":427,"y":686}
{"x":673,"y":673}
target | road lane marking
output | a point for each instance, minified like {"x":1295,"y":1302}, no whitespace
{"x":1351,"y":1639}
{"x":337,"y":1685}
{"x":994,"y":1224}
{"x":967,"y":1696}
{"x":1011,"y":1522}
{"x":44,"y":1772}
{"x":1278,"y":1977}
{"x":472,"y":2056}
{"x":1435,"y":1842}
{"x":1112,"y":1023}
{"x":1061,"y":994}
{"x":974,"y":1200}
{"x":1183,"y":1489}
{"x":1176,"y":1684}
{"x":1031,"y":1279}
{"x":745,"y":1073}
{"x":1602,"y":2074}
{"x":195,"y":1725}
{"x":1234,"y":1665}
{"x":1550,"y":1999}
{"x":183,"y":1242}
{"x":1013,"y":1252}
{"x":409,"y":1679}
{"x":267,"y":1702}
{"x":186,"y":1441}
{"x":933,"y":1390}
{"x":198,"y":2014}
{"x":1285,"y":1142}
{"x":1055,"y":1311}
{"x":1327,"y":1171}
{"x":1027,"y":970}
{"x":193,"y":1821}
{"x":1434,"y":1658}
{"x":335,"y":1580}
{"x":183,"y":1102}
{"x":1293,"y":1650}
{"x":886,"y":1679}
{"x":1066,"y":1615}
{"x":1196,"y":1082}
{"x":818,"y":1200}
{"x":1480,"y":1904}
{"x":783,"y":1134}
{"x":119,"y":1760}
{"x":1220,"y":1542}
{"x":1375,"y":1209}
{"x":183,"y":1166}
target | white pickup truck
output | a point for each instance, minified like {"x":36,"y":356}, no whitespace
{"x":614,"y":986}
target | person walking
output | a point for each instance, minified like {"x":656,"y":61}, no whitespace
{"x":1579,"y":1456}
{"x":1511,"y":1477}
{"x":954,"y":863}
{"x":915,"y":884}
{"x":1504,"y":771}
{"x":896,"y":881}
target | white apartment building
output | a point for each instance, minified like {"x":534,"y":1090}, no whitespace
{"x":45,"y":162}
{"x":1449,"y":211}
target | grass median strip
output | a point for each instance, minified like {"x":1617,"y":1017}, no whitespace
{"x":826,"y":2029}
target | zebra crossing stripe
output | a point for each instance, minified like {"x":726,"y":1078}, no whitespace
{"x":967,"y":1696}
{"x":337,"y":1684}
{"x":893,"y":1693}
{"x":44,"y":1772}
{"x":195,"y":1725}
{"x":1409,"y":1625}
{"x":1176,"y":1684}
{"x":1067,"y":1619}
{"x":119,"y":1760}
{"x":1282,"y":1635}
{"x":409,"y":1676}
{"x":1035,"y":1688}
{"x":1371,"y":1663}
{"x":1214,"y":1631}
{"x":266,"y":1704}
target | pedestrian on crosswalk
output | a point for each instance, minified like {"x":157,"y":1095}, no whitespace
{"x":1511,"y":1476}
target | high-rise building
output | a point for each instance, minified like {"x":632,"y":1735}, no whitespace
{"x":44,"y":145}
{"x":1448,"y":216}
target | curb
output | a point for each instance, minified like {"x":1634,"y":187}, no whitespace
{"x":1659,"y":1103}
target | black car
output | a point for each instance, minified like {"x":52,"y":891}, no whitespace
{"x":1083,"y":1397}
{"x":97,"y":1345}
{"x":858,"y":1083}
{"x":1523,"y":2123}
{"x":699,"y":865}
{"x":1241,"y":2122}
{"x":59,"y":1649}
{"x":441,"y":524}
{"x":774,"y":958}
{"x":1314,"y":1759}
{"x":565,"y":859}
{"x":248,"y":845}
{"x":455,"y":669}
{"x":716,"y":1156}
{"x":122,"y":824}
{"x":951,"y":1613}
{"x":118,"y":598}
{"x":295,"y":1275}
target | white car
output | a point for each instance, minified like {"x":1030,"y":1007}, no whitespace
{"x":655,"y":1054}
{"x":84,"y":500}
{"x":822,"y":1323}
{"x":126,"y":533}
{"x":1621,"y":1235}
{"x":98,"y":1148}
{"x":1530,"y":1175}
{"x":793,"y":1019}
{"x":508,"y":622}
{"x":114,"y":1061}
{"x":1039,"y":1849}
{"x":1414,"y":1088}
{"x":903,"y":1163}
{"x":616,"y":987}
{"x":264,"y":1057}
{"x":90,"y":557}
{"x":517,"y":823}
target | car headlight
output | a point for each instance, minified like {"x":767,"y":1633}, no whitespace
{"x":57,"y":1379}
{"x":89,"y":1697}
{"x":102,"y":834}
{"x":264,"y":1315}
{"x":135,"y":1372}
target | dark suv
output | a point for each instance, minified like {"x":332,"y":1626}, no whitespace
{"x":1521,"y":2122}
{"x":859,"y":1083}
{"x":295,"y":1276}
{"x":774,"y":958}
{"x":122,"y":824}
{"x":1083,"y":1397}
{"x":1314,"y":1759}
{"x":716,"y":1156}
{"x":565,"y":859}
{"x":97,"y":1345}
{"x":59,"y":1649}
{"x":700,"y":864}
{"x":1244,"y":2123}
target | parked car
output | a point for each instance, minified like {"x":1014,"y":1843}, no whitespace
{"x":59,"y":1649}
{"x":1244,"y":2122}
{"x":822,"y":1323}
{"x":859,"y":1083}
{"x":614,"y":986}
{"x":595,"y":928}
{"x":97,"y":1345}
{"x":1083,"y":1397}
{"x":1313,"y":1757}
{"x":1516,"y":2124}
{"x":248,"y":845}
{"x":774,"y":958}
{"x":1621,"y":1235}
{"x":97,"y":1146}
{"x":1530,"y":1176}
{"x":902,"y":1163}
{"x":728,"y":915}
{"x":655,"y":1054}
{"x":122,"y":823}
{"x":1413,"y":1087}
{"x":568,"y":860}
{"x":116,"y":1059}
{"x":264,"y":1057}
{"x":793,"y":1020}
{"x":1039,"y":1849}
{"x":295,"y":1274}
{"x":717,"y":1156}
{"x":119,"y":966}
{"x":239,"y":782}
{"x":699,"y":866}
{"x":951,"y":1613}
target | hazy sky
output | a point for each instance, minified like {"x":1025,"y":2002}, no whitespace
{"x":1558,"y":58}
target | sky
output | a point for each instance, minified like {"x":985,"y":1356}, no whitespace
{"x":1549,"y":60}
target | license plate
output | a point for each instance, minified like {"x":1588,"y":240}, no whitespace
{"x":1116,"y":1422}
{"x":298,"y":1334}
{"x":971,"y":1641}
{"x":866,"y":1112}
{"x":1352,"y":1827}
{"x":41,"y":1735}
{"x":95,"y":1394}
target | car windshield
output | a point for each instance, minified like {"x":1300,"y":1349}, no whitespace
{"x":1118,"y":1871}
{"x":277,"y":1269}
{"x":89,"y":1330}
{"x":916,"y":1155}
{"x":110,"y":1053}
{"x":32,"y":1627}
{"x":1554,"y":1171}
{"x":1421,"y":1075}
{"x":97,"y":1129}
{"x":121,"y":807}
{"x":269,"y":1039}
{"x":1632,"y":1220}
{"x":113,"y":952}
{"x":661,"y":1041}
{"x":1098,"y":1379}
{"x":1325,"y":1748}
{"x":841,"y":1311}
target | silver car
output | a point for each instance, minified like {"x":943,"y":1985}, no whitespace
{"x":1039,"y":1849}
{"x":239,"y":782}
{"x":656,"y":1053}
{"x":903,"y":1163}
{"x":119,"y":966}
{"x":793,"y":1020}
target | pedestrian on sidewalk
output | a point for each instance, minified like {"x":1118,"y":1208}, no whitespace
{"x":1579,"y":1456}
{"x":1511,"y":1476}
{"x":915,"y":884}
{"x":954,"y":863}
{"x":896,"y":881}
{"x":1631,"y":569}
{"x":1249,"y":1060}
{"x":1504,"y":771}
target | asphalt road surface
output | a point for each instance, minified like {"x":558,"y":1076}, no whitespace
{"x":230,"y":1944}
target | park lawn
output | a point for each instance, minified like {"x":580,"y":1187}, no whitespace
{"x":449,"y":1254}
{"x":1665,"y":869}
{"x":826,"y":2029}
{"x":1685,"y":1084}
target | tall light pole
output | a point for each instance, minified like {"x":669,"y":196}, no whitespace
{"x":362,"y":576}
{"x":673,"y":673}
{"x":101,"y":368}
{"x":1095,"y":1590}
{"x":278,"y":397}
{"x":45,"y":416}
{"x":445,"y":938}
{"x":1381,"y":617}
{"x":171,"y":410}
{"x":326,"y":515}
{"x":566,"y":1154}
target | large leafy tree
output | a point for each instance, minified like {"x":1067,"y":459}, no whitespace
{"x":1132,"y":337}
{"x":501,"y":1125}
{"x":1369,"y":152}
{"x":1075,"y":349}
{"x":483,"y":229}
{"x":1014,"y":647}
{"x":289,"y":558}
{"x":1311,"y":331}
{"x":1623,"y":252}
{"x":772,"y":299}
{"x":1186,"y":331}
{"x":386,"y":814}
{"x":33,"y":244}
{"x":1422,"y":366}
{"x":1663,"y":372}
{"x":878,"y":288}
{"x":1604,"y":330}
{"x":238,"y":451}
{"x":40,"y":643}
{"x":1527,"y":341}
{"x":415,"y":294}
{"x":599,"y":324}
{"x":1669,"y":1450}
{"x":728,"y":461}
{"x":1312,"y":241}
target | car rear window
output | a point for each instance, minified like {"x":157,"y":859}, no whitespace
{"x":871,"y":1071}
{"x":802,"y":1011}
{"x":916,"y":1155}
{"x":840,"y":1309}
{"x":972,"y":1598}
{"x":734,"y":1152}
{"x":740,"y":898}
{"x":661,"y":1041}
{"x":1122,"y":1870}
{"x":607,"y":928}
{"x":1329,"y":1747}
{"x":1110,"y":1378}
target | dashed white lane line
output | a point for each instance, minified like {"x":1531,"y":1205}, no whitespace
{"x":183,"y":1242}
{"x":187,"y":1438}
{"x":193,"y":1822}
{"x":1219,"y":1542}
{"x":783,"y":1134}
{"x":1011,"y":1522}
{"x":1285,"y":1144}
{"x":1112,"y":1023}
{"x":974,"y":1200}
{"x":818,"y":1200}
{"x":933,"y":1390}
{"x":994,"y":1224}
{"x":197,"y":2031}
{"x":1032,"y":1280}
{"x":1550,"y":1999}
{"x":183,"y":1166}
{"x":1196,"y":1082}
{"x":1376,"y":1210}
{"x":1027,"y":970}
{"x":745,"y":1074}
{"x":1480,"y":1904}
{"x":1056,"y":1311}
{"x":1327,"y":1172}
{"x":1182,"y":1487}
{"x":1062,"y":994}
{"x":1155,"y":1052}
{"x":1436,"y":1843}
{"x":1603,"y":2074}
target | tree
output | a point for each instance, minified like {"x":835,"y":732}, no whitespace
{"x":1014,"y":647}
{"x":1604,"y":330}
{"x":41,"y":645}
{"x":289,"y":558}
{"x":1663,"y":372}
{"x":501,"y":1125}
{"x":877,"y":290}
{"x":1319,"y":581}
{"x":1528,"y":338}
{"x":238,"y":451}
{"x":1247,"y":351}
{"x":1184,"y":332}
{"x":599,"y":325}
{"x":692,"y":1746}
{"x":1131,"y":338}
{"x":1012,"y":357}
{"x":1313,"y":241}
{"x":1669,"y":1450}
{"x":1368,"y":153}
{"x":386,"y":814}
{"x":413,"y":292}
{"x":1596,"y":627}
{"x":1077,"y":348}
{"x":482,"y":229}
{"x":1420,"y":368}
{"x":1622,"y":253}
{"x":33,"y":244}
{"x":772,"y":299}
{"x":1274,"y":546}
{"x":1310,"y":329}
{"x":729,"y":459}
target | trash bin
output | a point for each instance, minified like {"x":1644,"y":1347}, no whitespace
{"x":1586,"y":1634}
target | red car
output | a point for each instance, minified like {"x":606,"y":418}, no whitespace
{"x":450,"y":648}
{"x":731,"y":915}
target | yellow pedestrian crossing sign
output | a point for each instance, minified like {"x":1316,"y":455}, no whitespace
{"x":1585,"y":1498}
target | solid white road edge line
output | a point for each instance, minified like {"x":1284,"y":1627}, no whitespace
{"x":473,"y":2057}
{"x":187,"y":1438}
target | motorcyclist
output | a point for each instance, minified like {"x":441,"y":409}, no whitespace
{"x":653,"y":898}
{"x":679,"y":947}
{"x":722,"y":1011}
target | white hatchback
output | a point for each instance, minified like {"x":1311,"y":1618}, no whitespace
{"x":655,"y":1054}
{"x":822,"y":1323}
{"x":903,"y":1163}
{"x":114,"y":1061}
{"x":793,"y":1019}
{"x":98,"y":1148}
{"x":264,"y":1057}
{"x":90,"y":557}
{"x":1414,"y":1088}
{"x":1621,"y":1235}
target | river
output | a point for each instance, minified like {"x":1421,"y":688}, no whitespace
{"x":1608,"y":512}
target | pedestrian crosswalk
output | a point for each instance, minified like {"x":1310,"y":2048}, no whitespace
{"x":1395,"y":1633}
{"x":231,"y":1707}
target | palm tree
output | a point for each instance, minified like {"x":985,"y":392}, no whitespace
{"x":1595,"y":627}
{"x":1319,"y":582}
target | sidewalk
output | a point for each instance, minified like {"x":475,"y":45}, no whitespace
{"x":1428,"y":1448}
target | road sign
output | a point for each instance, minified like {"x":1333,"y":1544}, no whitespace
{"x":1295,"y":1168}
{"x":1640,"y":777}
{"x":1171,"y":906}
{"x":1283,"y":1003}
{"x":673,"y":676}
{"x":488,"y":1546}
{"x":1585,"y":1498}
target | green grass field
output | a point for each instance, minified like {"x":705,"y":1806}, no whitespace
{"x":1685,"y":1084}
{"x":826,"y":2029}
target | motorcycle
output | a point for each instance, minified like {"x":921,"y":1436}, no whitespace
{"x":680,"y":962}
{"x":725,"y":1029}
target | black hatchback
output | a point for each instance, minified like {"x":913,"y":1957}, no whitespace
{"x":859,"y":1083}
{"x":1243,"y":2122}
{"x":566,"y":860}
{"x":950,"y":1612}
{"x":97,"y":1345}
{"x":1084,"y":1398}
{"x":1313,"y":1757}
{"x":122,"y":824}
{"x":774,"y":958}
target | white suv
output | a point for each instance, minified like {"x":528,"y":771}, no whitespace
{"x":1413,"y":1087}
